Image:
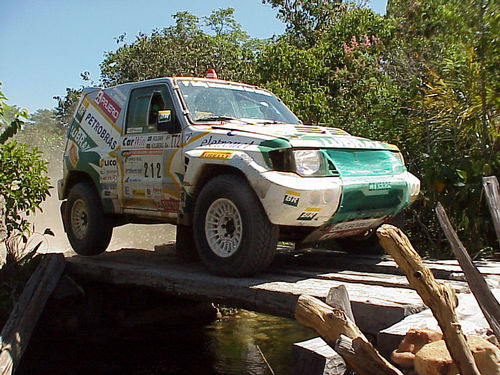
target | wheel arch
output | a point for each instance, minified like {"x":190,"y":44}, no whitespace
{"x":75,"y":177}
{"x":191,"y":192}
{"x":210,"y":171}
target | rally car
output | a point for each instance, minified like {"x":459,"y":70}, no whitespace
{"x":229,"y":164}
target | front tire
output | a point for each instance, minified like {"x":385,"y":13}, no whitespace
{"x":89,"y":230}
{"x":233,"y":235}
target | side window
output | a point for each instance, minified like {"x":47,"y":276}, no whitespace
{"x":145,"y":104}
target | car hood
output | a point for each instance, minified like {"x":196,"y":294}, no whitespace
{"x":305,"y":136}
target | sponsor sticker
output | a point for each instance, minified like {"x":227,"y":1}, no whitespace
{"x":108,"y":106}
{"x":168,"y":205}
{"x":138,"y":192}
{"x":291,"y":198}
{"x":164,"y":116}
{"x":99,"y":132}
{"x":73,"y":154}
{"x":222,"y":142}
{"x":309,"y":214}
{"x":379,"y":186}
{"x":216,"y":155}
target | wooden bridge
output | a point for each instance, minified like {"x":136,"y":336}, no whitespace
{"x":382,"y":302}
{"x":379,"y":294}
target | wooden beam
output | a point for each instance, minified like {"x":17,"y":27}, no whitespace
{"x":316,"y":357}
{"x":478,"y":286}
{"x":330,"y":323}
{"x":17,"y":330}
{"x":440,"y":298}
{"x":492,"y":190}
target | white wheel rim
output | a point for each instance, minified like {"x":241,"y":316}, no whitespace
{"x":223,"y":227}
{"x":79,"y":219}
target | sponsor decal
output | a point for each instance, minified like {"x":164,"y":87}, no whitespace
{"x":107,"y":163}
{"x":100,"y":131}
{"x":212,"y":142}
{"x":157,"y":191}
{"x":108,"y":106}
{"x":135,"y":141}
{"x":291,"y":198}
{"x":140,"y":152}
{"x":138,"y":171}
{"x":309,"y":214}
{"x":80,"y":138}
{"x":169,"y":205}
{"x":109,"y":186}
{"x":379,"y":186}
{"x":73,"y":154}
{"x":132,"y":179}
{"x":216,"y":155}
{"x":108,"y":176}
{"x":138,"y":193}
{"x":164,"y":116}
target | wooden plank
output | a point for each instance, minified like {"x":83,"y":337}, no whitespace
{"x":369,"y":278}
{"x":373,"y":306}
{"x":18,"y":329}
{"x":487,"y":301}
{"x":328,"y":260}
{"x":316,"y":357}
{"x":439,"y":297}
{"x":492,"y":190}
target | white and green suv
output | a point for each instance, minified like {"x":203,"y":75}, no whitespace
{"x":228,"y":163}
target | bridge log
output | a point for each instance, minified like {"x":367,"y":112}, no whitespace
{"x":440,"y":298}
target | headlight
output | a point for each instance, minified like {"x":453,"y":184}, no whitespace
{"x":309,"y":162}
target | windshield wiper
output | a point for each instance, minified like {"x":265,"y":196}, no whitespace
{"x":271,"y":122}
{"x":217,"y":118}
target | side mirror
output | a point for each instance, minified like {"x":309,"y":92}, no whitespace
{"x":166,"y":121}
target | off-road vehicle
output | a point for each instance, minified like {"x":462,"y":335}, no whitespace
{"x":229,"y":164}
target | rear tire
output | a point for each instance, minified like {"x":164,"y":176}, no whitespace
{"x":89,"y":230}
{"x":233,"y":235}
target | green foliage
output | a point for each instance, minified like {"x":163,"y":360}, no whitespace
{"x":23,"y":185}
{"x":307,"y":19}
{"x":66,"y":105}
{"x":184,"y":49}
{"x":10,"y":119}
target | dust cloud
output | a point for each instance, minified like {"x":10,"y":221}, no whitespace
{"x":126,"y":236}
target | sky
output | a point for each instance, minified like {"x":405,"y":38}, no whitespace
{"x":46,"y":44}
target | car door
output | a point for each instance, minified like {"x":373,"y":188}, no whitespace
{"x":150,"y":153}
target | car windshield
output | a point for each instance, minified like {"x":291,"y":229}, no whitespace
{"x":213,"y":101}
